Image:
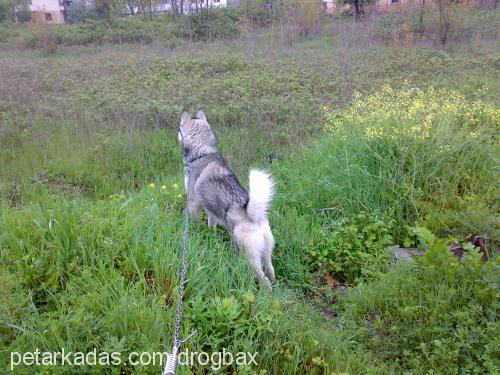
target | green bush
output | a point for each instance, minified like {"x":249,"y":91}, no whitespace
{"x":389,"y":26}
{"x":88,"y":29}
{"x":79,"y":12}
{"x":413,"y":157}
{"x":437,"y":315}
{"x":216,"y":24}
{"x":4,"y":11}
{"x":120,"y":30}
{"x":354,"y":249}
{"x":426,"y":155}
{"x":221,"y":321}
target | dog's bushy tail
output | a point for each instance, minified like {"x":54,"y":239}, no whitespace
{"x":261,"y":194}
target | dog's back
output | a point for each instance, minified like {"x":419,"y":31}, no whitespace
{"x":217,"y":187}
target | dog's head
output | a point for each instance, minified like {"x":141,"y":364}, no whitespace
{"x":196,"y":137}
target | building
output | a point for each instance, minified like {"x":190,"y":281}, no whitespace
{"x":330,"y":6}
{"x":48,"y":12}
{"x":388,"y":5}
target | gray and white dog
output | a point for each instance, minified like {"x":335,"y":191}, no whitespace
{"x":212,"y":186}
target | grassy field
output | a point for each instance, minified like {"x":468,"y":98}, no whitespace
{"x":374,"y":145}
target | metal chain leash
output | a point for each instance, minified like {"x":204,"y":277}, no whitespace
{"x":171,"y":364}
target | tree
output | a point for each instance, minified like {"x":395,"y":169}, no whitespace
{"x":357,"y":6}
{"x":4,"y":11}
{"x":79,"y":12}
{"x":306,"y":13}
{"x":261,"y":12}
{"x":444,"y":20}
{"x":107,"y":9}
{"x":103,"y":8}
{"x":420,"y":28}
{"x":9,"y":9}
{"x":131,"y":4}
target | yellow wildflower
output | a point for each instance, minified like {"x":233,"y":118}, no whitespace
{"x":163,"y":187}
{"x":151,"y":185}
{"x":175,"y":186}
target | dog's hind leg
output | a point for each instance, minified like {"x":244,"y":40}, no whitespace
{"x":269,"y":264}
{"x":253,"y":244}
{"x":268,"y":252}
{"x":256,"y":264}
{"x":236,"y":246}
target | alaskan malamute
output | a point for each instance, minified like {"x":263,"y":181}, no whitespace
{"x":211,"y":185}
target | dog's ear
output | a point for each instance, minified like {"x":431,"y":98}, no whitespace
{"x":185,"y":118}
{"x":200,"y":115}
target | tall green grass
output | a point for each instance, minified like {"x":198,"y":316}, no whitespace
{"x":416,"y":156}
{"x":64,"y":159}
{"x":103,"y":273}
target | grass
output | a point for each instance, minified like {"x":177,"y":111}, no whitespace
{"x":92,"y":199}
{"x":79,"y":104}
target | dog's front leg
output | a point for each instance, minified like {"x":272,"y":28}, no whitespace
{"x":212,"y":220}
{"x":194,"y":208}
{"x":187,"y":170}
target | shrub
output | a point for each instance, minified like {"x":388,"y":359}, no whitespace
{"x":429,"y":155}
{"x":4,"y":11}
{"x":355,"y":249}
{"x":79,"y":12}
{"x":389,"y":27}
{"x":24,"y":16}
{"x":433,"y":316}
{"x":87,"y":29}
{"x":216,"y":24}
{"x":221,"y":321}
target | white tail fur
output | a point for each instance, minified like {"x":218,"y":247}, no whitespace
{"x":261,"y":194}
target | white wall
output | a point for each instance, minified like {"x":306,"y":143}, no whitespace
{"x":45,"y":6}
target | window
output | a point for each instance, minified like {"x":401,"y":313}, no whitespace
{"x":395,"y":1}
{"x":48,"y":17}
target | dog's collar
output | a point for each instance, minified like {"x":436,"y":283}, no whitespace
{"x":187,"y":164}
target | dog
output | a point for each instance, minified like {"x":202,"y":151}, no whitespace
{"x":211,"y":185}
